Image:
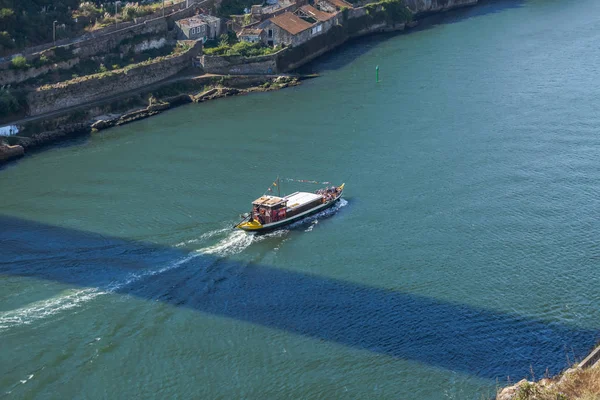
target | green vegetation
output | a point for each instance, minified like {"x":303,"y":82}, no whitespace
{"x":25,"y":23}
{"x":58,"y":54}
{"x":104,"y":72}
{"x":19,"y":62}
{"x":96,"y":65}
{"x":235,"y":7}
{"x":229,"y":46}
{"x":344,"y":11}
{"x":6,"y":41}
{"x":41,"y":61}
{"x":10,"y":102}
{"x":391,"y":11}
{"x":29,"y":22}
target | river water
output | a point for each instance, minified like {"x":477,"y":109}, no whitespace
{"x":464,"y":254}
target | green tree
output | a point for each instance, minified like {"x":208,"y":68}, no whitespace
{"x":9,"y":103}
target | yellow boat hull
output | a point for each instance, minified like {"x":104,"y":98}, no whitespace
{"x":250,"y":226}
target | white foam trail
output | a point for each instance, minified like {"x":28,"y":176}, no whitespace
{"x":46,"y":308}
{"x":203,"y":237}
{"x":234,"y":243}
{"x":75,"y":298}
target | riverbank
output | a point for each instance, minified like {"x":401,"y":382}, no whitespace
{"x":66,"y":104}
{"x":37,"y":134}
{"x":83,"y":110}
{"x":581,"y":382}
{"x":489,"y":268}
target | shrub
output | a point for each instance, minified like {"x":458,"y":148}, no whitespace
{"x":9,"y":103}
{"x":88,"y":9}
{"x":102,"y":68}
{"x":130,"y":12}
{"x":63,"y":53}
{"x":245,"y":49}
{"x":6,"y":40}
{"x":6,"y":12}
{"x":19,"y":62}
{"x":41,"y":61}
{"x":391,"y":11}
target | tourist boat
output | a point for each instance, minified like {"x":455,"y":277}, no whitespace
{"x":272,"y":212}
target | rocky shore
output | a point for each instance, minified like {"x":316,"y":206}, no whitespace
{"x":581,"y":382}
{"x":277,"y":83}
{"x":8,"y":152}
{"x":79,"y":123}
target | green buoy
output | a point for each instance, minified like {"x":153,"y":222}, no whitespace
{"x":377,"y":73}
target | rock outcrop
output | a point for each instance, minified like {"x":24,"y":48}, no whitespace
{"x":10,"y":152}
{"x":433,"y":6}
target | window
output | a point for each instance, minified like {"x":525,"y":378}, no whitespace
{"x":270,"y":33}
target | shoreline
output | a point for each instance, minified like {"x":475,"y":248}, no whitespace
{"x":74,"y":123}
{"x":581,"y":379}
{"x":38,"y":132}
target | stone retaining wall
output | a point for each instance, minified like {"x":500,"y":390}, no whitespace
{"x":238,"y":65}
{"x":15,"y":76}
{"x":79,"y":91}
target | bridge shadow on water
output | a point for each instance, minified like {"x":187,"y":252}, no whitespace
{"x":358,"y":47}
{"x":473,"y":340}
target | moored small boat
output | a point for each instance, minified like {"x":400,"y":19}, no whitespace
{"x":272,"y":212}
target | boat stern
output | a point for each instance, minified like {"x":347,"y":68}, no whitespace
{"x":250,"y":226}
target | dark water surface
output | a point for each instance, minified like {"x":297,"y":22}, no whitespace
{"x":465,"y":252}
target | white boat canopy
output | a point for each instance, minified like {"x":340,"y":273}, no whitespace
{"x":301,"y":198}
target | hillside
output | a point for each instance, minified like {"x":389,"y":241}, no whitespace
{"x":29,"y":22}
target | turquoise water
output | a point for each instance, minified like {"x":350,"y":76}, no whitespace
{"x":465,"y":252}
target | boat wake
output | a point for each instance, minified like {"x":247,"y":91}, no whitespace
{"x":43,"y":309}
{"x":232,"y":242}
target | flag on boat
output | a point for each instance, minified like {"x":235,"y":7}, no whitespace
{"x":306,"y":181}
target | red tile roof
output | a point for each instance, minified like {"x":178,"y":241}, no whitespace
{"x":316,"y":14}
{"x":290,"y":23}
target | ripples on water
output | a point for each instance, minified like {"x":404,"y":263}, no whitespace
{"x":469,"y":254}
{"x":229,"y":242}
